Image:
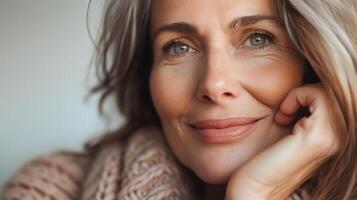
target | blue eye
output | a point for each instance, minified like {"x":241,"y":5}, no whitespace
{"x":259,"y":40}
{"x":177,"y":48}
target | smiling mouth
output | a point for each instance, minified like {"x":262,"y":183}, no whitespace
{"x":224,"y":131}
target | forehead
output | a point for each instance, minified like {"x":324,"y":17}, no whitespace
{"x":204,"y":12}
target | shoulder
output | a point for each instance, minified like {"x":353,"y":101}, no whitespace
{"x":120,"y":168}
{"x":56,"y":175}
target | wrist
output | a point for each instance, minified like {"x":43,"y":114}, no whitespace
{"x":244,"y":193}
{"x":247,"y":192}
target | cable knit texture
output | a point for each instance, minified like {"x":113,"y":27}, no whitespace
{"x":143,"y":168}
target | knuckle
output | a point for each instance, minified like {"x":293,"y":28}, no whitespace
{"x":294,"y":91}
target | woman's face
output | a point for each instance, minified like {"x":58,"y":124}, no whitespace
{"x":217,"y":60}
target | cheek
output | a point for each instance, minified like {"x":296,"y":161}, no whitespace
{"x":271,"y":80}
{"x":171,"y":89}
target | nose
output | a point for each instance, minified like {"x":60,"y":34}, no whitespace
{"x":217,"y":83}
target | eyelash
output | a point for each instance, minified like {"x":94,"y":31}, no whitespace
{"x":172,"y":43}
{"x":269,"y":36}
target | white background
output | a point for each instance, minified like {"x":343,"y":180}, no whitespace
{"x":45,"y":74}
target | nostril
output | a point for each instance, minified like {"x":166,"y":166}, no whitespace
{"x":205,"y":97}
{"x":228,"y":94}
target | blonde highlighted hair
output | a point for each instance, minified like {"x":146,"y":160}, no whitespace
{"x":323,"y":31}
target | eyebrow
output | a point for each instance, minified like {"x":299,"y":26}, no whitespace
{"x":183,"y":27}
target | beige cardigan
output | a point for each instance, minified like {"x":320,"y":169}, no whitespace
{"x":143,"y":168}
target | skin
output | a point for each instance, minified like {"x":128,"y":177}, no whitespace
{"x":217,"y":73}
{"x":298,"y":156}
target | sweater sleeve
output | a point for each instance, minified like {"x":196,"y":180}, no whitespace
{"x":53,"y":176}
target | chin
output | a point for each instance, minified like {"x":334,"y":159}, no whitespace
{"x":214,"y":174}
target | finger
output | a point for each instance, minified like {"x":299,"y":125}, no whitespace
{"x":300,"y":97}
{"x":283,"y":119}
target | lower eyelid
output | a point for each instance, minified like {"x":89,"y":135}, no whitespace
{"x":167,"y":48}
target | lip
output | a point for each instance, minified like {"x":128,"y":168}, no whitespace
{"x":224,"y":130}
{"x":224,"y":123}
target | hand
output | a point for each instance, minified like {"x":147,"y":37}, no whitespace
{"x":280,"y":169}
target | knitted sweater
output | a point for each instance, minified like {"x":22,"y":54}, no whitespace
{"x":143,"y":168}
